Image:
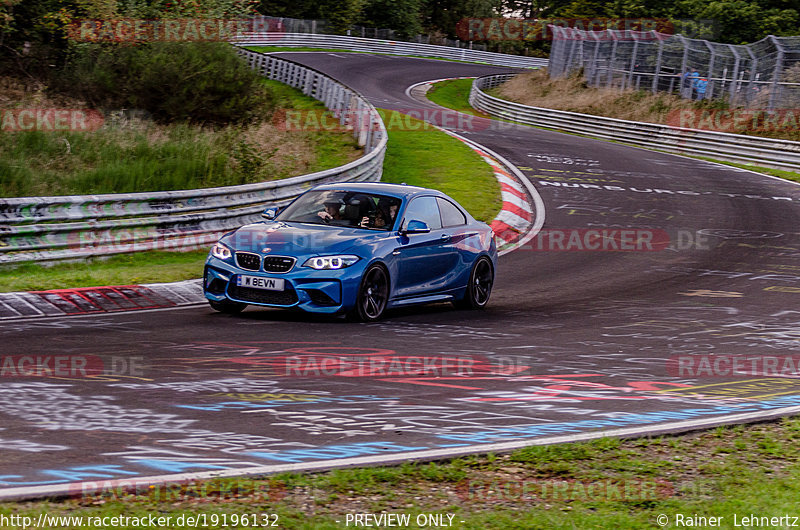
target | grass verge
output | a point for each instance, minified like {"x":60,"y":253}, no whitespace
{"x":573,"y":94}
{"x":129,"y":155}
{"x":726,"y":472}
{"x":125,"y":269}
{"x":418,"y":154}
{"x":421,"y":155}
{"x":453,"y":94}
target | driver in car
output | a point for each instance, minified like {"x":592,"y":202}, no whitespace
{"x":332,"y":211}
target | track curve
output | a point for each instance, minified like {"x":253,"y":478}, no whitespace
{"x":575,"y":343}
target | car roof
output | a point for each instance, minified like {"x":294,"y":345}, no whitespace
{"x":397,"y":190}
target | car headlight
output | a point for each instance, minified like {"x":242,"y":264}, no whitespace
{"x":330,"y":262}
{"x":220,"y":251}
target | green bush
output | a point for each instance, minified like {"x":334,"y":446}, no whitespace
{"x":203,"y":82}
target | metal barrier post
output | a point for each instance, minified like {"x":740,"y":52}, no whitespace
{"x":773,"y":95}
{"x":657,"y":71}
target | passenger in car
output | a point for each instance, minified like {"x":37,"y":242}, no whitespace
{"x":386,"y":213}
{"x":358,"y":210}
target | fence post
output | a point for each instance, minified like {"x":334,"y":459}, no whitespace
{"x":684,"y":67}
{"x":571,"y":52}
{"x":370,"y":134}
{"x":360,"y":122}
{"x":734,"y":79}
{"x":611,"y":59}
{"x":776,"y":74}
{"x":751,"y":86}
{"x":710,"y":88}
{"x":657,"y":71}
{"x":633,"y":59}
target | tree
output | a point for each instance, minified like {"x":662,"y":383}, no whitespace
{"x":202,"y":82}
{"x":403,"y":16}
{"x":300,"y":9}
{"x":584,"y":9}
{"x":341,"y":13}
{"x":443,"y":15}
{"x":533,"y":8}
{"x":741,"y":21}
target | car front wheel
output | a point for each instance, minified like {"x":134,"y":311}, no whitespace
{"x":480,"y":284}
{"x":373,"y":294}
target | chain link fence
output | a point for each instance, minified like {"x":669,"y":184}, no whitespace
{"x":765,"y":74}
{"x":323,"y":27}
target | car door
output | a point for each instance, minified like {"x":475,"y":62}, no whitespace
{"x":423,"y":260}
{"x":462,"y":241}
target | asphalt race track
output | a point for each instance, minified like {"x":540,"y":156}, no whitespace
{"x":577,"y":341}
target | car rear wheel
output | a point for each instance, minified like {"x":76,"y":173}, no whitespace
{"x":480,"y":284}
{"x":228,"y":307}
{"x":373,"y":294}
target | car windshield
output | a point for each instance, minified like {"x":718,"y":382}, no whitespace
{"x":356,"y":209}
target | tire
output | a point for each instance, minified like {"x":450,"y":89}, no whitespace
{"x":479,"y":288}
{"x":227,"y":307}
{"x":373,"y":294}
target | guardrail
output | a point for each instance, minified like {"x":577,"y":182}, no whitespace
{"x":342,"y":42}
{"x":72,"y":227}
{"x":766,"y":152}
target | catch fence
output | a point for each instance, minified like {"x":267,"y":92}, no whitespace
{"x":764,"y":74}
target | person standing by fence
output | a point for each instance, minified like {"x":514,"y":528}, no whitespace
{"x":700,"y":85}
{"x":689,"y":79}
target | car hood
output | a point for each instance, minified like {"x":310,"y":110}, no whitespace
{"x":297,"y":239}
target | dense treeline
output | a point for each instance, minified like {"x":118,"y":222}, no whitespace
{"x":35,"y":43}
{"x":201,"y":82}
{"x":731,"y":21}
{"x":43,"y":22}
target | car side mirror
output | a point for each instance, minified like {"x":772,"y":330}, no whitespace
{"x":270,"y":213}
{"x":416,"y":227}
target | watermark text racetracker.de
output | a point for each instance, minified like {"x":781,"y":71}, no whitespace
{"x":548,"y":240}
{"x":151,"y":520}
{"x":132,"y":30}
{"x":50,"y":120}
{"x":385,"y":363}
{"x":616,"y":240}
{"x":180,"y":491}
{"x":725,"y":365}
{"x":533,"y":29}
{"x":597,"y":239}
{"x":560,"y":490}
{"x":409,"y":119}
{"x":70,"y":366}
{"x":736,"y":121}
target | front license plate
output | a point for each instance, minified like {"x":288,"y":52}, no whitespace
{"x":257,"y":282}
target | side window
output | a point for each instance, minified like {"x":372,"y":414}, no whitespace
{"x":424,"y":209}
{"x":451,"y":215}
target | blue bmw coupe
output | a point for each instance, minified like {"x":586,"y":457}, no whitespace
{"x":356,"y":249}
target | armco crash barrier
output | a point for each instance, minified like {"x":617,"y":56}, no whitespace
{"x":71,"y":227}
{"x":341,"y":42}
{"x":766,"y":152}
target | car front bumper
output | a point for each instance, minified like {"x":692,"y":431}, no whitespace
{"x":316,"y":291}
